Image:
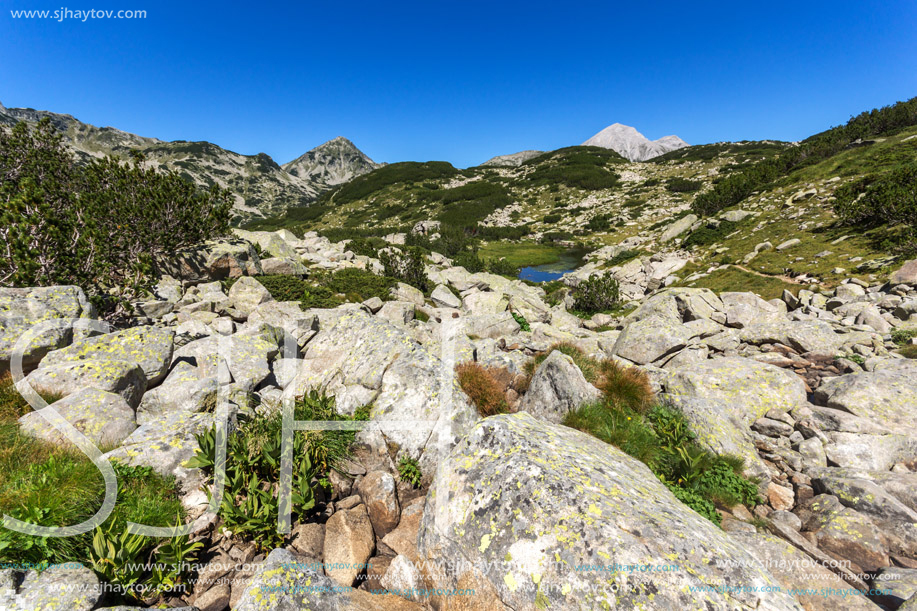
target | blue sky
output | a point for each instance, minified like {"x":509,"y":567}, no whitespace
{"x":459,"y":81}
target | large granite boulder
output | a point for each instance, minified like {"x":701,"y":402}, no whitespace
{"x":557,"y":388}
{"x":21,"y":309}
{"x":649,"y":339}
{"x":148,"y":347}
{"x":213,"y":260}
{"x":103,"y":417}
{"x":540,"y":514}
{"x":124,"y":378}
{"x":60,"y":588}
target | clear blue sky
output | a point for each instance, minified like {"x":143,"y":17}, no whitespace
{"x":460,"y":81}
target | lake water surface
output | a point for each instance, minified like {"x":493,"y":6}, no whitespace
{"x":569,"y":260}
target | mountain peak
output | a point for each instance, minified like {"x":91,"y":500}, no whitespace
{"x":633,"y":145}
{"x":334,"y":162}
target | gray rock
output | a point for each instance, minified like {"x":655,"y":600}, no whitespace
{"x":247,"y":294}
{"x":54,"y":589}
{"x":373,"y":304}
{"x":907,"y":274}
{"x":124,"y":378}
{"x":247,"y":356}
{"x":397,"y":312}
{"x":649,"y":339}
{"x":678,"y":227}
{"x":557,"y":388}
{"x":746,"y":388}
{"x":444,"y":298}
{"x":289,"y":316}
{"x":213,"y":260}
{"x":403,"y":576}
{"x":555,"y":481}
{"x":23,"y":308}
{"x":805,"y":336}
{"x":186,"y":389}
{"x":735,"y":216}
{"x":148,"y":347}
{"x":406,"y":292}
{"x":902,"y":583}
{"x":379,"y":493}
{"x":283,"y":266}
{"x":789,"y":244}
{"x":104,"y":417}
{"x":887,"y":396}
{"x":494,"y":326}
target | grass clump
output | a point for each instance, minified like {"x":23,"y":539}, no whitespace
{"x":482,"y":387}
{"x":909,"y":352}
{"x":901,"y":337}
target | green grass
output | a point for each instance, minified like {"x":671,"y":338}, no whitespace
{"x":52,"y":485}
{"x":521,"y":254}
{"x":735,"y":279}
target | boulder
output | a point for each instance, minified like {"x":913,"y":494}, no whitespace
{"x":247,"y":294}
{"x":397,"y":312}
{"x":442,"y":297}
{"x":501,"y":324}
{"x":798,"y":572}
{"x":213,"y":260}
{"x":480,"y":303}
{"x":566,"y":501}
{"x":409,"y":385}
{"x":678,"y":227}
{"x":403,"y":576}
{"x":246,"y":355}
{"x":124,"y":378}
{"x":348,"y":544}
{"x":186,"y":389}
{"x":743,"y":387}
{"x":23,"y":308}
{"x":649,"y":339}
{"x":403,"y":540}
{"x":61,"y":588}
{"x":103,"y":417}
{"x":804,"y":336}
{"x":379,"y":493}
{"x":286,"y":315}
{"x":887,"y":396}
{"x":148,"y":347}
{"x":557,"y":388}
{"x":406,"y":292}
{"x":907,"y":274}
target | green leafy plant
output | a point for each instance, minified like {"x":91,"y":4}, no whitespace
{"x":409,"y":471}
{"x":523,"y":323}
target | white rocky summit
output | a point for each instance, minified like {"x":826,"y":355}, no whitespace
{"x":633,"y":145}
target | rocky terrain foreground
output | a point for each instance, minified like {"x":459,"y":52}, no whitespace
{"x":514,"y":511}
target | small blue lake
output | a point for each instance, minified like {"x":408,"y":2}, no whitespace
{"x":569,"y":260}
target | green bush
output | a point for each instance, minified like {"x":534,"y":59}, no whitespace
{"x":707,"y":235}
{"x":102,"y":226}
{"x":552,"y":218}
{"x":682,"y":185}
{"x":391,"y":174}
{"x":598,"y":293}
{"x":889,"y":198}
{"x":902,"y":337}
{"x":406,"y":266}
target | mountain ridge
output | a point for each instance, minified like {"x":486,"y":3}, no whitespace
{"x":261,"y":187}
{"x":633,"y":145}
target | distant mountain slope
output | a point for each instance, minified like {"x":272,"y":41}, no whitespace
{"x":262,"y":188}
{"x":633,"y":145}
{"x":512,"y":160}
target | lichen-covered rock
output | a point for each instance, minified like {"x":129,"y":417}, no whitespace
{"x":539,"y":502}
{"x":501,"y":324}
{"x":213,"y":260}
{"x":103,"y":417}
{"x":679,"y":305}
{"x":186,"y":389}
{"x":284,"y":583}
{"x":149,"y":347}
{"x":289,"y":316}
{"x":557,"y":388}
{"x":743,"y":387}
{"x":23,"y":308}
{"x":247,"y":294}
{"x":649,"y":339}
{"x":59,"y":588}
{"x":442,"y":297}
{"x":413,"y":387}
{"x":887,"y":396}
{"x":247,"y":355}
{"x":124,"y":378}
{"x":805,"y":335}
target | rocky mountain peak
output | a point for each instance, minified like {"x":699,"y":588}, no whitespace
{"x":333,"y":163}
{"x":633,"y":145}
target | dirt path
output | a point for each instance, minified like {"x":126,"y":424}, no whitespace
{"x":786,"y":279}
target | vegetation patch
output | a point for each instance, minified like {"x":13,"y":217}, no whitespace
{"x":482,"y":387}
